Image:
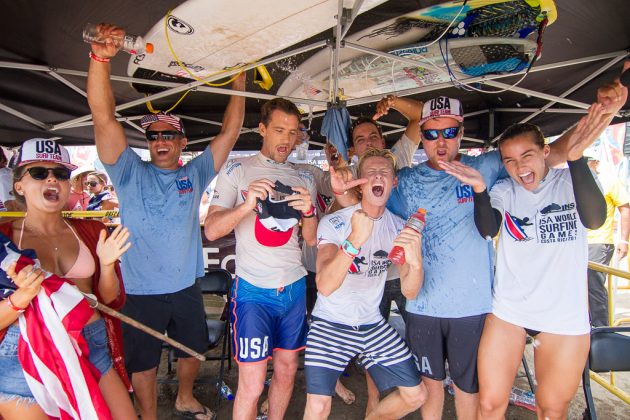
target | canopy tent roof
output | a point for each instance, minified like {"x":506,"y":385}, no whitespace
{"x":43,"y":65}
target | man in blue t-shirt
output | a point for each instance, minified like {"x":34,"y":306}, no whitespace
{"x":446,"y":319}
{"x":159,"y":202}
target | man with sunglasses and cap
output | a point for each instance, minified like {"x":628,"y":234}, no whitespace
{"x":160,"y":200}
{"x":446,"y":319}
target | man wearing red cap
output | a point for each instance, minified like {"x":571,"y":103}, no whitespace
{"x":263,"y":198}
{"x":159,"y":201}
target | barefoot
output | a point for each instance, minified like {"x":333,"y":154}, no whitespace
{"x":264,"y":407}
{"x":344,"y":393}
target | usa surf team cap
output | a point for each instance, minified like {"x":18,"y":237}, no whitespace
{"x":43,"y":150}
{"x":442,"y":106}
{"x":164,"y":117}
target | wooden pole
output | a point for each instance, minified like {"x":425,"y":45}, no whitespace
{"x":130,"y":321}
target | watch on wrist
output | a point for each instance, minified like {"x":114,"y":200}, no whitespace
{"x":347,"y":247}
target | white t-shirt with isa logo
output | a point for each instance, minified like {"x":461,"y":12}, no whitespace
{"x":357,"y":300}
{"x":542,"y":257}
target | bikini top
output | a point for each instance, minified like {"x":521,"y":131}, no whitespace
{"x":83,"y":267}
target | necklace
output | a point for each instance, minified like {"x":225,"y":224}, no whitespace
{"x":374,"y":219}
{"x":39,"y":235}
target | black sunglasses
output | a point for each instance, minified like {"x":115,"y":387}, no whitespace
{"x":166,"y":135}
{"x":90,"y":183}
{"x":447,"y":133}
{"x":40,"y":173}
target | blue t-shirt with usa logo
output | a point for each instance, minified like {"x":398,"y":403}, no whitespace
{"x":161,"y":209}
{"x":457,"y":260}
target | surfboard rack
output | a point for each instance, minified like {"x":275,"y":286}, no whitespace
{"x":262,"y":77}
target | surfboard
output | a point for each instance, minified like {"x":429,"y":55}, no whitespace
{"x":437,"y":63}
{"x":209,"y":36}
{"x":477,"y":19}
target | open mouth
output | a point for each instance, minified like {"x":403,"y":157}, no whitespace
{"x":527,"y":178}
{"x":378,"y":190}
{"x":334,"y":158}
{"x":51,"y":194}
{"x":162,"y":151}
{"x":282,"y":150}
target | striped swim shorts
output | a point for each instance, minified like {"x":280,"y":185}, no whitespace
{"x":330,"y":346}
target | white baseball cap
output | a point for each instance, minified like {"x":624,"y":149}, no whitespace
{"x":43,"y":150}
{"x":440,"y":107}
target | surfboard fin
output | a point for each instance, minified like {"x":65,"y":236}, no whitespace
{"x":262,"y":77}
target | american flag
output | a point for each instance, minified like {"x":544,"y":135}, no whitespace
{"x":51,"y":349}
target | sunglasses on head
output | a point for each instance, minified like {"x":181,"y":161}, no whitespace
{"x":447,"y":133}
{"x":90,"y":183}
{"x":40,"y":173}
{"x":166,"y":135}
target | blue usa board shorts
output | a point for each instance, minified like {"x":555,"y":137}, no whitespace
{"x":264,"y":320}
{"x":330,"y":346}
{"x":13,"y":385}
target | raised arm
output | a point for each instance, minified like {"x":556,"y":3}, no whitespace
{"x":108,"y":133}
{"x":589,"y":200}
{"x":612,"y":96}
{"x":333,"y":262}
{"x":109,"y":249}
{"x":409,"y":108}
{"x":232,"y":124}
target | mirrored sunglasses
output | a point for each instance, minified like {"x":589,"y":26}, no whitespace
{"x":40,"y":173}
{"x":166,"y":135}
{"x":90,"y":184}
{"x":447,"y":133}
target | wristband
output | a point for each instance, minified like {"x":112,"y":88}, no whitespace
{"x":342,"y":193}
{"x":349,"y":249}
{"x":310,"y":213}
{"x":12,"y":305}
{"x":97,"y":58}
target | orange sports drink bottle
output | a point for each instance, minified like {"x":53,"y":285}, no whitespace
{"x":416,"y":222}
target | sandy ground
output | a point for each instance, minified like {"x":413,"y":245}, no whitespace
{"x":608,"y":406}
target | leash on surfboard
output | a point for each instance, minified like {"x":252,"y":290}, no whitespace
{"x":182,"y":66}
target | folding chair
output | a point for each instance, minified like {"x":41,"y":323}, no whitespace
{"x":609,"y":351}
{"x":214,"y":282}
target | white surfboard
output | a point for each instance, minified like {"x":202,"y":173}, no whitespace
{"x":370,"y":75}
{"x":311,"y":78}
{"x":209,"y":36}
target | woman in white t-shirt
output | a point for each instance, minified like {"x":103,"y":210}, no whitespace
{"x":540,"y":283}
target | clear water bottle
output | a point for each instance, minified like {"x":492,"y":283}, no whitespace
{"x":133,"y":44}
{"x":522,"y":398}
{"x":226,"y":392}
